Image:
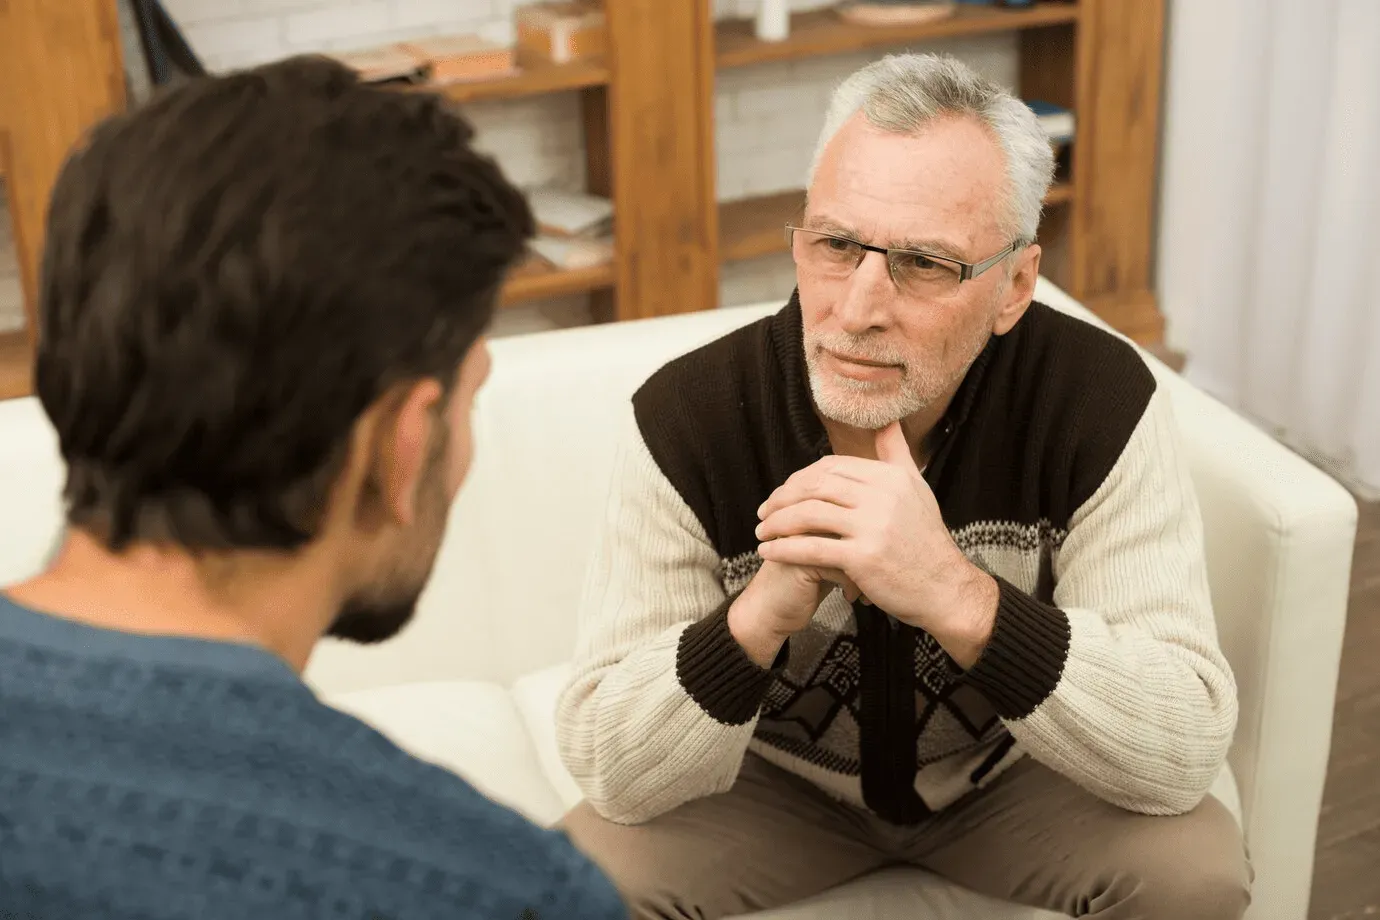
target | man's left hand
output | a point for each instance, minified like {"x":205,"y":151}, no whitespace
{"x":878,"y":522}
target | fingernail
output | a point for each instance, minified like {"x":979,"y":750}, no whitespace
{"x":759,"y":510}
{"x":757,"y":531}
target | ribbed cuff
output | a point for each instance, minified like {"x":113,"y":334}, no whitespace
{"x":718,"y":674}
{"x":1024,"y":658}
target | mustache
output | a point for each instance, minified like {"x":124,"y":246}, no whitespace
{"x":865,"y":347}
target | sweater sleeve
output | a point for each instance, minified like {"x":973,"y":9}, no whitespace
{"x":662,"y":701}
{"x":1120,"y":684}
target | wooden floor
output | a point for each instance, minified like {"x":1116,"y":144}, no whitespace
{"x":1346,"y":880}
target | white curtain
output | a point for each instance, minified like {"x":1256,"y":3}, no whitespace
{"x":1269,"y":238}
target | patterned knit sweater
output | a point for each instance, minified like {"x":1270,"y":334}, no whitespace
{"x":165,"y":778}
{"x":1057,"y":470}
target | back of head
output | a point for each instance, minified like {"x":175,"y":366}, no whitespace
{"x":902,"y":93}
{"x":234,"y":273}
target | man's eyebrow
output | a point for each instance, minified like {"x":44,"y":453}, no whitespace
{"x":930,"y":246}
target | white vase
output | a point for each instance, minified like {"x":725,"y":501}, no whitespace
{"x":773,"y":20}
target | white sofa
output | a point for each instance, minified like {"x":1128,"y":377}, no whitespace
{"x":472,"y":684}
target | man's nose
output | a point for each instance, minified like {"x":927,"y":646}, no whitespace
{"x":865,"y":303}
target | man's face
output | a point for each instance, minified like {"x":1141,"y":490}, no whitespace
{"x":387,"y":599}
{"x":877,"y":354}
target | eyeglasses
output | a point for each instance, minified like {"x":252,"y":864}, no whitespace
{"x":915,"y":273}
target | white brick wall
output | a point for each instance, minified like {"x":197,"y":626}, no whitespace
{"x":767,"y":117}
{"x":11,"y":294}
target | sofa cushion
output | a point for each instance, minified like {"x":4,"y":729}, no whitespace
{"x":471,"y":728}
{"x":536,"y":696}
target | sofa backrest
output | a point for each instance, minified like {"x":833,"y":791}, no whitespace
{"x":503,"y":597}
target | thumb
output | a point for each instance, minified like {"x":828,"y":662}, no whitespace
{"x":892,"y":448}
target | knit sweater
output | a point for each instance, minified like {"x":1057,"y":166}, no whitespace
{"x":166,"y":778}
{"x":1057,"y":470}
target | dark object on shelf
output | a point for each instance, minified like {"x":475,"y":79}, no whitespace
{"x":166,"y":53}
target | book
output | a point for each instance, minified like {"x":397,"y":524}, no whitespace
{"x":382,"y":65}
{"x":567,"y":214}
{"x":453,"y":58}
{"x":1057,"y":121}
{"x":572,"y":252}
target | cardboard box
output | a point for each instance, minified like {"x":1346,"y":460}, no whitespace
{"x":559,"y":32}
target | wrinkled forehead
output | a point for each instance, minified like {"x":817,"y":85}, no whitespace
{"x":946,"y":182}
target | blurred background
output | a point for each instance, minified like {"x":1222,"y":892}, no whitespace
{"x":1216,"y":197}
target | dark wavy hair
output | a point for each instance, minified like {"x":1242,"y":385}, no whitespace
{"x":234,"y":273}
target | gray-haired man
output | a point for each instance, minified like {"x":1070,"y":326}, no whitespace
{"x":910,"y":572}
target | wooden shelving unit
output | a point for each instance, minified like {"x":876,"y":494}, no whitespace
{"x":648,"y":118}
{"x":755,"y":226}
{"x":820,"y":32}
{"x":15,"y":363}
{"x":534,"y":280}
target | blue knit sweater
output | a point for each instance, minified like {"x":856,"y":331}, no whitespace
{"x":159,"y":777}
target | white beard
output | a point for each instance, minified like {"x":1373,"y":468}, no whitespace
{"x":868,"y":405}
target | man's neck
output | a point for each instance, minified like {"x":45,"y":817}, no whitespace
{"x":265,"y":601}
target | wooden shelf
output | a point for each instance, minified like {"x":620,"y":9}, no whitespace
{"x":1059,"y":193}
{"x":752,"y":227}
{"x":15,"y":365}
{"x":531,"y":281}
{"x":529,"y":81}
{"x":823,"y":32}
{"x":534,"y":280}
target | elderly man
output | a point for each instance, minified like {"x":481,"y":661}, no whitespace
{"x":910,"y":572}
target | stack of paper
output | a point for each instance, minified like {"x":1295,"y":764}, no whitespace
{"x":562,"y":213}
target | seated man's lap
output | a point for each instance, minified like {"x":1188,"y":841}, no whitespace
{"x":773,"y":839}
{"x":1032,"y":837}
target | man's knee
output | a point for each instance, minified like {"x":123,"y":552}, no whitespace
{"x":1189,"y":866}
{"x":1217,"y":890}
{"x":626,"y":855}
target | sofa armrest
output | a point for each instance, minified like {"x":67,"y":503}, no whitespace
{"x":1279,"y":539}
{"x":1280,"y":536}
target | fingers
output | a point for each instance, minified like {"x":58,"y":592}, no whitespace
{"x":811,"y":516}
{"x":851,"y":592}
{"x":815,"y":482}
{"x":808,"y":551}
{"x":892,"y":448}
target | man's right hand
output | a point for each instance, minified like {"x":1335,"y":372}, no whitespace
{"x":779,"y":602}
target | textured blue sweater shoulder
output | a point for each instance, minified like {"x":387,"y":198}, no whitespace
{"x":160,"y":777}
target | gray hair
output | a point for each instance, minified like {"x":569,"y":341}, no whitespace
{"x":903,"y":92}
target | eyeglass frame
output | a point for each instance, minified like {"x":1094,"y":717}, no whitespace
{"x":966,"y":270}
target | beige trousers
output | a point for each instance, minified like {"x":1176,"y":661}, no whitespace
{"x":1031,"y":837}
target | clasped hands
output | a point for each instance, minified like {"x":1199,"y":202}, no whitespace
{"x":874,"y":528}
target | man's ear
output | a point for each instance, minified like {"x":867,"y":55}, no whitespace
{"x":402,"y":447}
{"x":1020,"y":289}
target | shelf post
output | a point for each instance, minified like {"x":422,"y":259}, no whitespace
{"x":61,"y":70}
{"x":1120,"y":65}
{"x":661,"y":139}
